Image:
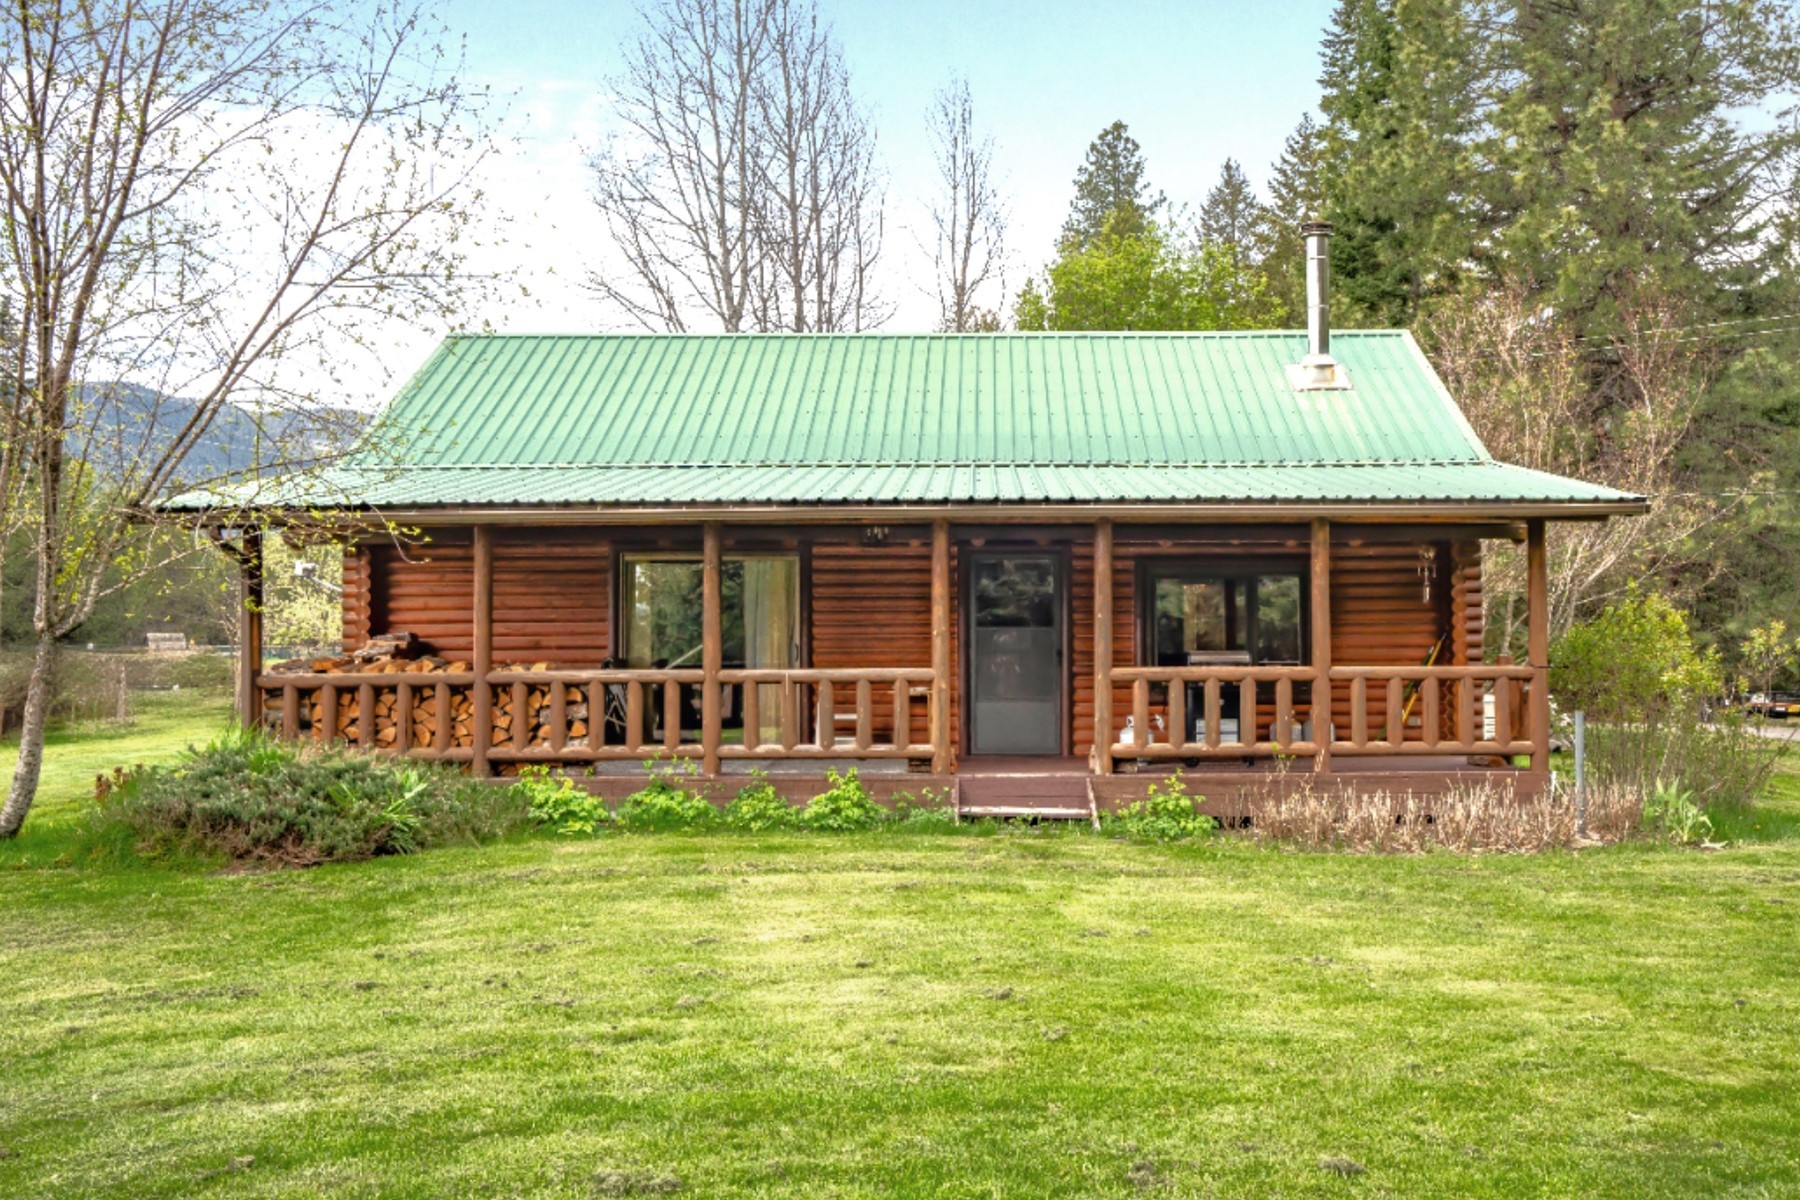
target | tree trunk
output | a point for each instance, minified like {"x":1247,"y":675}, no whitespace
{"x":31,"y":738}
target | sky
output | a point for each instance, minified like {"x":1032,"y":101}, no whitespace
{"x":1197,"y":82}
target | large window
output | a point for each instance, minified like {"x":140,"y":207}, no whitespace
{"x":1201,"y":615}
{"x":661,"y":618}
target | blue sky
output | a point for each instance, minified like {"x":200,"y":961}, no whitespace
{"x":1196,"y":82}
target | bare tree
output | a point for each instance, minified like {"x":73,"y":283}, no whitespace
{"x":968,"y":216}
{"x":1616,"y":413}
{"x":197,"y":194}
{"x":742,"y":191}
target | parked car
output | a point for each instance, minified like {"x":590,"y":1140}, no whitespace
{"x":1777,"y":706}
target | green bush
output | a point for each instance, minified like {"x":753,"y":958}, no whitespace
{"x":1670,"y":810}
{"x":664,"y":803}
{"x":844,"y":806}
{"x":250,"y":799}
{"x":1635,"y":661}
{"x":555,"y":802}
{"x":928,"y":814}
{"x":758,"y":807}
{"x":1167,"y":813}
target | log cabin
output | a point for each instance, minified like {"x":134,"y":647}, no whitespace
{"x":1029,"y":572}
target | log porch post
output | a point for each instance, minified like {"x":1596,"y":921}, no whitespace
{"x":1103,"y":663}
{"x":1537,"y":629}
{"x":1321,"y":645}
{"x":712,"y":646}
{"x":250,"y":628}
{"x":483,"y":693}
{"x":940,"y":651}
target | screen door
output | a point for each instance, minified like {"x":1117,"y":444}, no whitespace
{"x":1015,"y":654}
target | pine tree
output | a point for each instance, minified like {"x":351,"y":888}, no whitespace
{"x":1231,"y":215}
{"x":1400,"y":104}
{"x":1110,"y":180}
{"x":1296,"y":195}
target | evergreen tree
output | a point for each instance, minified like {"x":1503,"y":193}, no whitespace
{"x":1399,"y":98}
{"x":1296,"y":195}
{"x":1110,"y":181}
{"x":1232,"y":216}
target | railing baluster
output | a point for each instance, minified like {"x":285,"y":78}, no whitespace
{"x":1465,"y":712}
{"x":790,"y":714}
{"x":1396,"y":722}
{"x":634,"y":715}
{"x":752,"y":714}
{"x":520,"y":734}
{"x":902,"y":713}
{"x":1213,"y":701}
{"x":403,"y":710}
{"x":671,"y":715}
{"x":1247,"y":730}
{"x":1429,"y":719}
{"x":596,"y":702}
{"x":290,"y":712}
{"x":865,"y":715}
{"x":365,"y":715}
{"x":559,"y":715}
{"x":1503,"y":713}
{"x":827,"y":713}
{"x":1359,"y":711}
{"x":1284,"y":712}
{"x":326,"y":728}
{"x":446,"y":721}
{"x":1140,"y":713}
{"x":1178,"y":719}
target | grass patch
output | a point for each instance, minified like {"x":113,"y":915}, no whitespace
{"x":1030,"y":1014}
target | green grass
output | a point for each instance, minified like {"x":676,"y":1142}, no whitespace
{"x":1005,"y":1015}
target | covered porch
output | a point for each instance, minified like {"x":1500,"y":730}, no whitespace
{"x":895,"y":673}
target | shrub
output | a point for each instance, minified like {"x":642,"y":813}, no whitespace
{"x":251,"y":799}
{"x":758,"y":807}
{"x":1167,"y":813}
{"x":933,"y":814}
{"x":1671,"y":811}
{"x":843,"y":806}
{"x":664,"y":802}
{"x":557,"y":803}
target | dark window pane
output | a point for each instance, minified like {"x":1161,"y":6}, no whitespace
{"x":1278,"y":618}
{"x":1015,"y":593}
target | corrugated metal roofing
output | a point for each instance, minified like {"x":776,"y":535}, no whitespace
{"x":875,"y":418}
{"x":408,"y":487}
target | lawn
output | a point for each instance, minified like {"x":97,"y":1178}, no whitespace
{"x":1016,"y":1014}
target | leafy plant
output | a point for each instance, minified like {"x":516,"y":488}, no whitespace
{"x":665,"y":802}
{"x":922,"y":814}
{"x":248,"y":798}
{"x":556,"y":802}
{"x":843,"y":806}
{"x":1670,"y":810}
{"x":1167,"y":813}
{"x":758,"y":807}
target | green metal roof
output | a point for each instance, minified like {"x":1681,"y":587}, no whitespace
{"x":624,"y":420}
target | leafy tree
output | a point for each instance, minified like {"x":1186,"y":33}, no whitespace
{"x":1636,"y":659}
{"x":1130,"y":280}
{"x":1110,"y":183}
{"x":1231,"y":216}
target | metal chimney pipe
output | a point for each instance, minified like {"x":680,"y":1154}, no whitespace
{"x":1318,"y":289}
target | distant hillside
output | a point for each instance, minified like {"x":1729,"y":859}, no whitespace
{"x":131,"y":423}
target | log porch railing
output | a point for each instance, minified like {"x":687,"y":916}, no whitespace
{"x":557,"y":716}
{"x":1391,"y":710}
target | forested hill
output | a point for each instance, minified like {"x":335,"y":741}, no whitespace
{"x":125,"y":427}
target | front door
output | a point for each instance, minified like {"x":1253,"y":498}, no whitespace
{"x":1015,"y":654}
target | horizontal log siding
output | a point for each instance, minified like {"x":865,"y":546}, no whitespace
{"x":1081,"y":624}
{"x":356,"y":597}
{"x":552,"y":596}
{"x":1381,"y":615}
{"x":871,"y":607}
{"x":428,"y":590}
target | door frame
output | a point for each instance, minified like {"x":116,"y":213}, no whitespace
{"x":966,"y":554}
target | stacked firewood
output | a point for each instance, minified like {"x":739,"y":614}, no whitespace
{"x":391,"y":655}
{"x":539,"y":698}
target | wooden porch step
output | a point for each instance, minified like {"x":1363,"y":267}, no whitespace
{"x":1042,"y":812}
